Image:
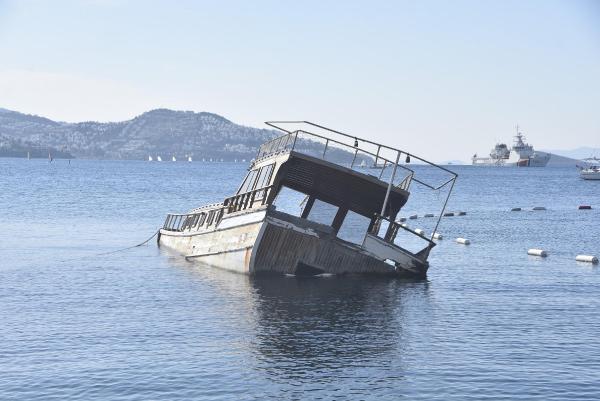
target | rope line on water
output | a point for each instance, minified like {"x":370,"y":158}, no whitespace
{"x":116,"y":251}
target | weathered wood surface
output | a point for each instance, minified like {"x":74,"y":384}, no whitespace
{"x":281,"y":249}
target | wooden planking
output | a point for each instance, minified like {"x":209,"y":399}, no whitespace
{"x":281,"y":249}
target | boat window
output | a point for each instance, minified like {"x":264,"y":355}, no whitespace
{"x":290,"y":201}
{"x":248,"y":183}
{"x":322,"y":212}
{"x":354,"y":228}
{"x":264,"y":177}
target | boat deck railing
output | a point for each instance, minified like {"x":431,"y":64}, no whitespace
{"x":247,"y":200}
{"x":196,"y":220}
{"x":383,"y":156}
{"x":210,"y":215}
{"x":295,"y":140}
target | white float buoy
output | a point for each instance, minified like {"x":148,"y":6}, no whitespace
{"x":414,"y":216}
{"x":437,"y":236}
{"x":419,"y":231}
{"x":428,"y":215}
{"x":463,"y":241}
{"x":515,"y":209}
{"x":586,"y":258}
{"x":537,"y":252}
{"x":539,"y":208}
{"x":404,"y":225}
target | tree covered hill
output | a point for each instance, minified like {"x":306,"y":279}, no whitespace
{"x":160,"y":132}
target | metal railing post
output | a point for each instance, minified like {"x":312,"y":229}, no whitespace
{"x":325,"y":150}
{"x":389,"y":188}
{"x":383,"y":168}
{"x":295,"y":138}
{"x":443,"y":209}
{"x":353,"y":159}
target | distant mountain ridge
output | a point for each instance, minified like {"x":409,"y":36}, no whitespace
{"x":160,"y":132}
{"x":578,"y":153}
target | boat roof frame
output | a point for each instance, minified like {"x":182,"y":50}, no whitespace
{"x":281,"y":126}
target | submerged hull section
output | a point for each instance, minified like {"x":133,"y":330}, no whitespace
{"x":272,"y":242}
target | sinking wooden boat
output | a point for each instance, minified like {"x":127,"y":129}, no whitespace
{"x":306,"y":210}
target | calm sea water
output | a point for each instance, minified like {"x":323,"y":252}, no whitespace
{"x":489,"y":323}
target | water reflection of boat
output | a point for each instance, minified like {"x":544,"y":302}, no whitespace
{"x":255,"y":231}
{"x":336,"y":319}
{"x":312,"y":320}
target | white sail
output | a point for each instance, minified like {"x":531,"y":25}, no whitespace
{"x":149,"y":158}
{"x":158,"y":158}
{"x":174,"y":159}
{"x":190,"y":159}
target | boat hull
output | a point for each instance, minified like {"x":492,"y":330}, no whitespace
{"x":590,"y":176}
{"x":270,"y":242}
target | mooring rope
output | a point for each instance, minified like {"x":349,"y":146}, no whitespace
{"x":112,"y":252}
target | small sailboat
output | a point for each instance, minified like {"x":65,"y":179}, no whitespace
{"x":159,"y":158}
{"x":150,"y":158}
{"x":50,"y":159}
{"x":189,"y":159}
{"x":363,"y":164}
{"x":28,"y":156}
{"x":174,"y":159}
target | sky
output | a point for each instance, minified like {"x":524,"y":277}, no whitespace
{"x":442,"y":79}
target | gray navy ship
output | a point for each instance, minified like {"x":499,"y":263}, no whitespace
{"x":521,"y":154}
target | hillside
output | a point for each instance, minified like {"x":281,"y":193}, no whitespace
{"x":158,"y":132}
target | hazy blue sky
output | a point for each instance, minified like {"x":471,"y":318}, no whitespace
{"x":445,"y":79}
